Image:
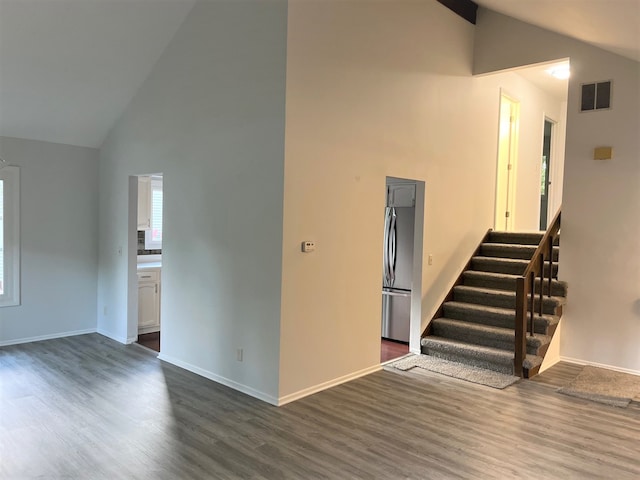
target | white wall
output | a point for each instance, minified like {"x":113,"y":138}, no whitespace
{"x":210,"y":117}
{"x":535,"y":105}
{"x":600,"y":257}
{"x":378,"y":89}
{"x":59,"y":237}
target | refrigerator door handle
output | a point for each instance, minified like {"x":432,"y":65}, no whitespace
{"x":392,"y":248}
{"x":385,"y":248}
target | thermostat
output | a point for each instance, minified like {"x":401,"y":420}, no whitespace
{"x":308,"y":247}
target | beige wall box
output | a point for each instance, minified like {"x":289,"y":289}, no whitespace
{"x":603,"y":153}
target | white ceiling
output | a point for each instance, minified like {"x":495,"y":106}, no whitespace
{"x":68,"y":68}
{"x":612,"y":25}
{"x":540,"y":76}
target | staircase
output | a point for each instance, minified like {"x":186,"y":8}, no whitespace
{"x":476,"y":323}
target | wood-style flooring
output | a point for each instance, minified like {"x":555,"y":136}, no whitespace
{"x":150,"y":340}
{"x":87,"y":407}
{"x":390,"y":350}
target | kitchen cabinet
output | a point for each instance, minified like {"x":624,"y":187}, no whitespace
{"x":148,"y":300}
{"x":144,"y":203}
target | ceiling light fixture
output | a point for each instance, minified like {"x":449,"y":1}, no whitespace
{"x":561,"y":72}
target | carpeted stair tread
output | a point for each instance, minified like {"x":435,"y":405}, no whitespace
{"x":532,"y":361}
{"x":485,"y":335}
{"x":494,"y":316}
{"x":508,"y":250}
{"x":513,"y":266}
{"x":506,"y":281}
{"x":502,"y":298}
{"x":479,"y":356}
{"x":476,"y":322}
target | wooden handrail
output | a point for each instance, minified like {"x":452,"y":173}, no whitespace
{"x":526,"y":290}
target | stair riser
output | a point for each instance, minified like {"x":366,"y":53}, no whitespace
{"x":506,"y":343}
{"x":501,"y":367}
{"x":509,"y":284}
{"x":515,"y":238}
{"x":519,"y":238}
{"x":487,"y":265}
{"x":549,"y":306}
{"x":492,"y":319}
{"x":523,"y":253}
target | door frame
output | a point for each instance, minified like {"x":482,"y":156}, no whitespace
{"x":550,"y":176}
{"x":132,"y":257}
{"x":507,"y":184}
{"x":415,"y":318}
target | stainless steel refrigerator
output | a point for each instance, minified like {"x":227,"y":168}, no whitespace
{"x":397,"y":261}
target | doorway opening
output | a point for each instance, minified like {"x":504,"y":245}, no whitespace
{"x":402,"y":268}
{"x":145,"y":250}
{"x":545,"y":172}
{"x":507,"y":162}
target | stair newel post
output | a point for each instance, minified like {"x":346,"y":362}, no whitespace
{"x":551,"y":242}
{"x":520,"y":327}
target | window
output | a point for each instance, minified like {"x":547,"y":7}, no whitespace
{"x":153,"y":236}
{"x":9,"y":236}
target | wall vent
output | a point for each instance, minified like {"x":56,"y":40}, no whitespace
{"x":596,"y":96}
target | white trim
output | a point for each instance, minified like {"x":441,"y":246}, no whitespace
{"x":601,"y":365}
{"x":47,"y":337}
{"x":10,"y":176}
{"x":325,"y":385}
{"x":117,"y":338}
{"x":220,"y":379}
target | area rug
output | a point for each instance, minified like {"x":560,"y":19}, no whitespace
{"x":604,"y":386}
{"x":455,"y":370}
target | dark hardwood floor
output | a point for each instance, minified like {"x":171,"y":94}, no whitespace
{"x":87,"y":407}
{"x":390,"y":350}
{"x":150,"y":340}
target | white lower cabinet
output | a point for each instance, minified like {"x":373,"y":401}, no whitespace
{"x":148,"y":301}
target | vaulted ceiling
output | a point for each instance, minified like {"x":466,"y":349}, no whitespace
{"x":68,"y":68}
{"x":612,"y":25}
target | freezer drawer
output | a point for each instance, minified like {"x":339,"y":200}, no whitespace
{"x":396,"y":315}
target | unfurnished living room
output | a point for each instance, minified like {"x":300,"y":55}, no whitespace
{"x":319,"y":239}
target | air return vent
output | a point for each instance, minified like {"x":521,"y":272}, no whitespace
{"x":596,"y":96}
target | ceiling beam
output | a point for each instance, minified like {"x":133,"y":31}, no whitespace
{"x":465,"y":8}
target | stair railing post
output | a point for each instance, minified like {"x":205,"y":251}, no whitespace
{"x":520,"y":328}
{"x":541,"y":288}
{"x":551,"y":242}
{"x":532,"y":289}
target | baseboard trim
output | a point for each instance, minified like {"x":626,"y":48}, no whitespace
{"x":601,"y":365}
{"x":325,"y":385}
{"x":117,"y":338}
{"x":220,"y":379}
{"x":52,"y":336}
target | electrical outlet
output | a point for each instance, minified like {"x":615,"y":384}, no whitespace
{"x":430,"y":260}
{"x":308,"y":246}
{"x":119,"y":251}
{"x":105,"y":310}
{"x":239,"y":354}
